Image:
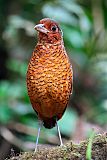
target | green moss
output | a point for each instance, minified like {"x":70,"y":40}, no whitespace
{"x":69,"y":151}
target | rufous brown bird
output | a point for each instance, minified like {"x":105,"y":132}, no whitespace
{"x":49,"y":76}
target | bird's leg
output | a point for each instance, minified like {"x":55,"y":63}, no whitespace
{"x":40,"y":125}
{"x":59,"y":133}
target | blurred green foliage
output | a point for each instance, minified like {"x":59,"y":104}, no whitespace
{"x":84,"y":27}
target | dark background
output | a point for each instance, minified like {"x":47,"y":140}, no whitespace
{"x":84,"y":24}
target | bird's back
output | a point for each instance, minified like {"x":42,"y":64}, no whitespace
{"x":49,"y":81}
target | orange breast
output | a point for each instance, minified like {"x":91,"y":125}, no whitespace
{"x":49,"y":80}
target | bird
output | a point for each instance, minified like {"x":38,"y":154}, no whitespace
{"x":49,"y":76}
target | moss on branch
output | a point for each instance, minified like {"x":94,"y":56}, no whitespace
{"x":70,"y":151}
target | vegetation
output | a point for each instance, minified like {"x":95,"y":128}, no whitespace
{"x":69,"y":151}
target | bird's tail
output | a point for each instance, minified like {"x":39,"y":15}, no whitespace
{"x":49,"y":122}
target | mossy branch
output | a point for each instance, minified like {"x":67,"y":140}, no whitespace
{"x":70,"y":151}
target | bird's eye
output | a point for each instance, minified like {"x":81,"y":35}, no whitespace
{"x":53,"y":28}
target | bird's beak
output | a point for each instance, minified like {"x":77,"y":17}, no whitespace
{"x":41,"y":28}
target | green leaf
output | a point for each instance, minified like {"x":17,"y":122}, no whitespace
{"x":23,"y":109}
{"x":6,"y":114}
{"x":59,"y":13}
{"x":68,"y":122}
{"x":17,"y":66}
{"x":89,"y":146}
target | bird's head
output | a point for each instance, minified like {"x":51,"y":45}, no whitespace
{"x":49,"y":31}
